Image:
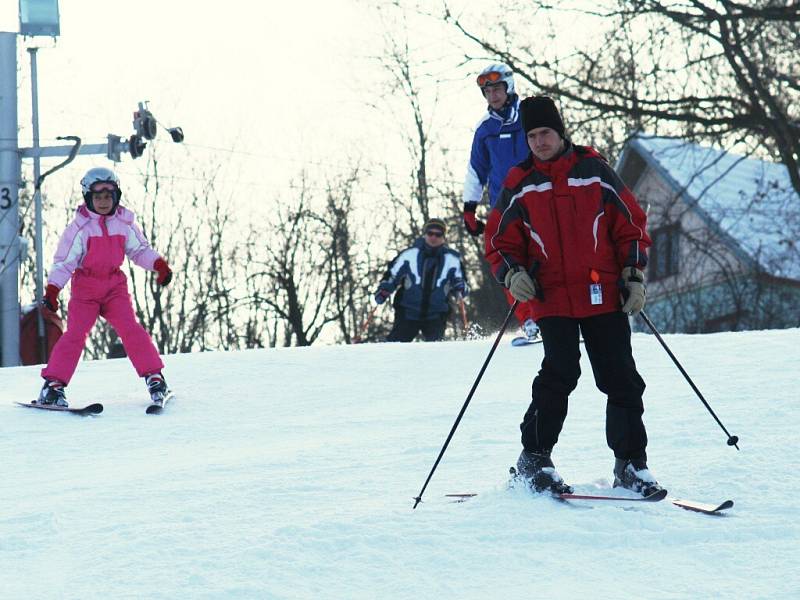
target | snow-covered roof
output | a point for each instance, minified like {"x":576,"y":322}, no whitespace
{"x":749,"y":199}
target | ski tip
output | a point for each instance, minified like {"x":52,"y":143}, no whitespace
{"x":156,"y":409}
{"x":657,"y":496}
{"x":702,"y":507}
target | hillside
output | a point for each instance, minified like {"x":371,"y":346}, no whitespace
{"x":289,"y":473}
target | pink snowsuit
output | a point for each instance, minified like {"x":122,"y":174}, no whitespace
{"x":91,"y":252}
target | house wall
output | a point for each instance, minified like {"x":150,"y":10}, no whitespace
{"x":715,"y":288}
{"x":704,"y":255}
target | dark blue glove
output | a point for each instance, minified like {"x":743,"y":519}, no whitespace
{"x":459,"y":288}
{"x":381,"y":295}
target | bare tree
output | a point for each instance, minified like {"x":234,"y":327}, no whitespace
{"x":433,"y":190}
{"x":709,"y":70}
{"x":207,"y":305}
{"x":293,"y":279}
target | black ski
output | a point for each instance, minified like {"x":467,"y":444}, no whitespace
{"x":91,"y":409}
{"x":157,"y":407}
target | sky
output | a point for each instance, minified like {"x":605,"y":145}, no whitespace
{"x":289,"y":473}
{"x":263,"y":89}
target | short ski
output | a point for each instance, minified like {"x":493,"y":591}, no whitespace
{"x":91,"y":409}
{"x":702,"y":507}
{"x":524,"y":341}
{"x":157,"y":407}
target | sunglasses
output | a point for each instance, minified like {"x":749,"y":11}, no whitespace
{"x":485,"y":79}
{"x":435,"y":233}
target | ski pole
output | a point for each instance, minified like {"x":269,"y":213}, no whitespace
{"x":418,"y":499}
{"x":463,"y":313}
{"x":364,"y":325}
{"x":732,"y":439}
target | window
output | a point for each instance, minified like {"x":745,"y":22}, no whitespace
{"x":664,"y":252}
{"x":633,"y":169}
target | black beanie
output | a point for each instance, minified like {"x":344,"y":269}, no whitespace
{"x":540,"y":111}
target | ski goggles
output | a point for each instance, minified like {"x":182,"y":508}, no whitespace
{"x":489,"y":78}
{"x":103,"y":186}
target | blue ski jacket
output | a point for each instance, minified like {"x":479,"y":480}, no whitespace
{"x":424,"y":278}
{"x":499,"y":144}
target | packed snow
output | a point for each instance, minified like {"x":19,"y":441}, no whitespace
{"x":291,"y":472}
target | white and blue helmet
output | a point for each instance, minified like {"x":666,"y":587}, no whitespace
{"x":496,"y":73}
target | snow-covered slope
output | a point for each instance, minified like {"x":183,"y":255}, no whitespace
{"x":289,"y":473}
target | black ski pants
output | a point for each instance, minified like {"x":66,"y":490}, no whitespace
{"x":607,"y":338}
{"x":405,"y":330}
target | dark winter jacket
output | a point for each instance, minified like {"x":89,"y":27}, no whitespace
{"x":574,"y":221}
{"x":499,"y":144}
{"x":425,"y":277}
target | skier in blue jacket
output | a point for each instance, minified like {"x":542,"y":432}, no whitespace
{"x":425,"y":276}
{"x":499,"y":144}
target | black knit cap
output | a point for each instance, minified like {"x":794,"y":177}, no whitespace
{"x":540,"y":111}
{"x":434,"y":223}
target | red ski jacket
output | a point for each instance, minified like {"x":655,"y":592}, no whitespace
{"x":575,"y":224}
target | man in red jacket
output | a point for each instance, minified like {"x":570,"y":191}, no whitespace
{"x":568,"y":238}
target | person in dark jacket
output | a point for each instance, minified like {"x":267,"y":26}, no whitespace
{"x":569,"y":239}
{"x":498,"y":144}
{"x":425,"y":276}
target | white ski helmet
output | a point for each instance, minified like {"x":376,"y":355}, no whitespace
{"x":496,"y":73}
{"x":98,"y":175}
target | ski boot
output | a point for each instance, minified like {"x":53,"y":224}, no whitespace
{"x":53,"y":393}
{"x":157,"y":387}
{"x":633,"y":474}
{"x":530,"y":329}
{"x":539,"y":473}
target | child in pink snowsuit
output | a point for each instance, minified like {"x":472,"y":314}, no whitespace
{"x":91,"y":252}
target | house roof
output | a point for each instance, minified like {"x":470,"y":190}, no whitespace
{"x":750,"y":200}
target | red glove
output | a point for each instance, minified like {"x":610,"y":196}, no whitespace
{"x":50,"y":299}
{"x":473,"y":225}
{"x":164,"y":272}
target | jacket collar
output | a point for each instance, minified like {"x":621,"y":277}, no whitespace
{"x":84,"y":215}
{"x":509,"y":114}
{"x":559,"y":165}
{"x":428,"y":250}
